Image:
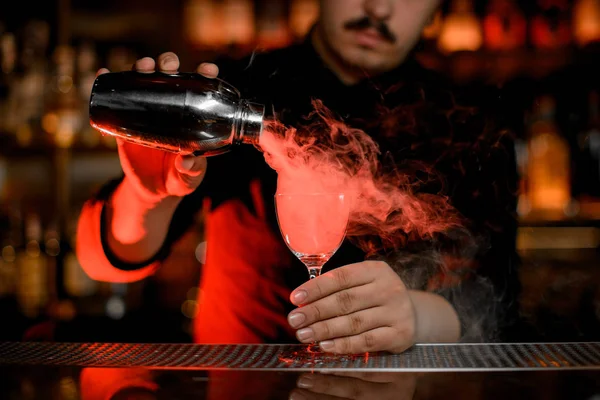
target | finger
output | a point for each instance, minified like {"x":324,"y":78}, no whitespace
{"x":338,"y":386}
{"x":145,"y":65}
{"x":190,"y":165}
{"x":303,"y":394}
{"x":168,"y":62}
{"x":340,"y":303}
{"x":208,"y":70}
{"x":347,"y":325}
{"x":183,"y":178}
{"x":336,"y":280}
{"x":102,"y":71}
{"x":374,"y":340}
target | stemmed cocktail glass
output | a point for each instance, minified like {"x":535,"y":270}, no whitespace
{"x":313,"y":226}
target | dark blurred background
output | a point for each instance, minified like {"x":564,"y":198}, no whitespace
{"x":544,"y":53}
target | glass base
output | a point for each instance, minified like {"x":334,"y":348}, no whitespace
{"x":311,"y":355}
{"x":313,"y":348}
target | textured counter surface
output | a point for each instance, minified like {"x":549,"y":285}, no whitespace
{"x":447,"y":357}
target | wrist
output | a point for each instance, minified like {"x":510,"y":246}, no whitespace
{"x":436,"y":320}
{"x":128,"y":193}
{"x":417,"y":330}
{"x":131,"y":216}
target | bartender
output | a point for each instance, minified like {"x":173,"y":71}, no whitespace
{"x":359,"y":61}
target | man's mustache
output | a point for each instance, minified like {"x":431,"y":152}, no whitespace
{"x":366,"y":22}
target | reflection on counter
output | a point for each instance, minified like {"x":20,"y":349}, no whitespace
{"x":127,"y":383}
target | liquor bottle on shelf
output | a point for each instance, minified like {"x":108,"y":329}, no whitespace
{"x":8,"y":60}
{"x":548,"y":164}
{"x":550,"y":28}
{"x":505,"y":26}
{"x":586,"y":22}
{"x":62,"y":114}
{"x":32,"y":264}
{"x":10,"y":241}
{"x":86,"y":75}
{"x":461,"y":30}
{"x":303,"y":14}
{"x":27,"y":99}
{"x":522,"y":158}
{"x":201,"y":21}
{"x":69,"y":282}
{"x":238,"y":22}
{"x":76,"y":282}
{"x":273,"y":29}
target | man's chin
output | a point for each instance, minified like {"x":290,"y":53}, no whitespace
{"x":368,"y":62}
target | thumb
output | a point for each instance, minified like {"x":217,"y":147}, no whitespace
{"x":190,"y":165}
{"x":185,"y":175}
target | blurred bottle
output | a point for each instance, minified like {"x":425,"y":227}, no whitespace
{"x":586,"y":22}
{"x":26,"y":103}
{"x":522,"y":156}
{"x":548,"y":164}
{"x":238,"y":22}
{"x":10,"y":242}
{"x":550,"y":27}
{"x":303,"y":14}
{"x":87,"y":65}
{"x":202,"y":21}
{"x":32,"y":264}
{"x":62,"y":115}
{"x":588,"y":160}
{"x":273,"y":30}
{"x":505,"y":26}
{"x":69,"y":280}
{"x":8,"y":53}
{"x":461,"y":30}
{"x":8,"y":63}
{"x":76,"y":282}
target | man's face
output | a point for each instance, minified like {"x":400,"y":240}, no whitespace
{"x":374,"y":35}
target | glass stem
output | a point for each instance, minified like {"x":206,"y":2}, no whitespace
{"x":314,"y":272}
{"x":314,"y":264}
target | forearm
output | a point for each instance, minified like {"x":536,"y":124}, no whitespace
{"x":91,"y":251}
{"x":436,"y":319}
{"x":136,"y":230}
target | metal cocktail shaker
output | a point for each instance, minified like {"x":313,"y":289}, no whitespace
{"x":184,"y":113}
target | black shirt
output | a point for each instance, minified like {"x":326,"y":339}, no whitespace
{"x":460,"y":135}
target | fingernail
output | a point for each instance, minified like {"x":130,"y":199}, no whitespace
{"x":306,"y":382}
{"x":305,"y":334}
{"x":300,"y":296}
{"x":297,"y":396}
{"x":296,"y":319}
{"x":327,"y":345}
{"x":169,"y":64}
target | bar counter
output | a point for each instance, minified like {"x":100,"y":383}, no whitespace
{"x":50,"y":370}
